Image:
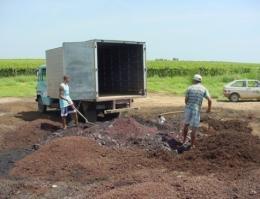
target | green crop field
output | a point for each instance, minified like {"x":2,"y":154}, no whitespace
{"x":174,"y":76}
{"x":205,"y":68}
{"x":17,"y":76}
{"x":14,"y":67}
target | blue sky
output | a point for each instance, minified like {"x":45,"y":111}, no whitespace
{"x":189,"y":30}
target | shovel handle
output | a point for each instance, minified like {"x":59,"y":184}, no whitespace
{"x":86,"y":120}
{"x":169,"y":113}
{"x":174,"y":112}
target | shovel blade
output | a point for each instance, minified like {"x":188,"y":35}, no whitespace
{"x":161,"y":119}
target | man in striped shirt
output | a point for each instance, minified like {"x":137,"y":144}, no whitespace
{"x":193,"y":100}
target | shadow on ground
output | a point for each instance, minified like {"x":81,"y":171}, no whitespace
{"x":53,"y":115}
{"x":240,"y":101}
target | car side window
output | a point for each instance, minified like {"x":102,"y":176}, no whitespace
{"x":253,"y":84}
{"x":239,"y":84}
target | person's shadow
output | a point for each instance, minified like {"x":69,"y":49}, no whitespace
{"x":240,"y":101}
{"x":53,"y":115}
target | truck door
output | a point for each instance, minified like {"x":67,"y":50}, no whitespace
{"x":42,"y":86}
{"x":80,"y":65}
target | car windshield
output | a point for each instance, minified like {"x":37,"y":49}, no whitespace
{"x":239,"y":84}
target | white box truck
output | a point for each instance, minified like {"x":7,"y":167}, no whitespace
{"x":105,"y":76}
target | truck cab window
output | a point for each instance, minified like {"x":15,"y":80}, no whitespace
{"x":38,"y":75}
{"x":44,"y":75}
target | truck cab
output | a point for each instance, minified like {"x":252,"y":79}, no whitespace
{"x":41,"y":89}
{"x":44,"y":101}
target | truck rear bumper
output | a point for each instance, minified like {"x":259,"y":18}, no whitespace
{"x":118,"y":97}
{"x":120,"y":110}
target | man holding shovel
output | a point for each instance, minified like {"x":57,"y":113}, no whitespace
{"x":193,"y":100}
{"x":66,"y":104}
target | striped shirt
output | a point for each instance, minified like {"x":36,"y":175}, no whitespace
{"x":195,"y":94}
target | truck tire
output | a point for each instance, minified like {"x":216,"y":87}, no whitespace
{"x":89,"y":111}
{"x":234,"y":97}
{"x":111,"y":116}
{"x":41,"y":107}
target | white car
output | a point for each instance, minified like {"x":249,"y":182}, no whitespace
{"x":242,"y":89}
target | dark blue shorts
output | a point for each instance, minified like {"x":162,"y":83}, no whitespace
{"x":66,"y":110}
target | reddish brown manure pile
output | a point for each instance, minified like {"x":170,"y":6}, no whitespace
{"x":126,"y":159}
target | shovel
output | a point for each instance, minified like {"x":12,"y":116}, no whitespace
{"x":162,"y":119}
{"x":86,"y":120}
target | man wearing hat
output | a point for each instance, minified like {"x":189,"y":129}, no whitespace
{"x":193,"y":100}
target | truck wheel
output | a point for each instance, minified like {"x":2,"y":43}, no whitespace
{"x":111,"y":116}
{"x":234,"y":97}
{"x":115,"y":115}
{"x":41,"y":107}
{"x":89,"y":111}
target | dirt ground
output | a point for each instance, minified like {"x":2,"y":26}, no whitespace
{"x":132,"y":156}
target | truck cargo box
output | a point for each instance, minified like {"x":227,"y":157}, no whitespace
{"x":99,"y":70}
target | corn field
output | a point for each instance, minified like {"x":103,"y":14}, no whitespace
{"x":184,"y":68}
{"x":15,"y":67}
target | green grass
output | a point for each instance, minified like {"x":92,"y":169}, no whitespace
{"x":19,"y":86}
{"x":178,"y":85}
{"x":24,"y":86}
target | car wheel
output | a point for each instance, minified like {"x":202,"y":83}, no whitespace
{"x":234,"y":97}
{"x":41,"y":107}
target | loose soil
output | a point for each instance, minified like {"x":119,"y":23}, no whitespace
{"x":79,"y":159}
{"x":28,"y":134}
{"x":129,"y":157}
